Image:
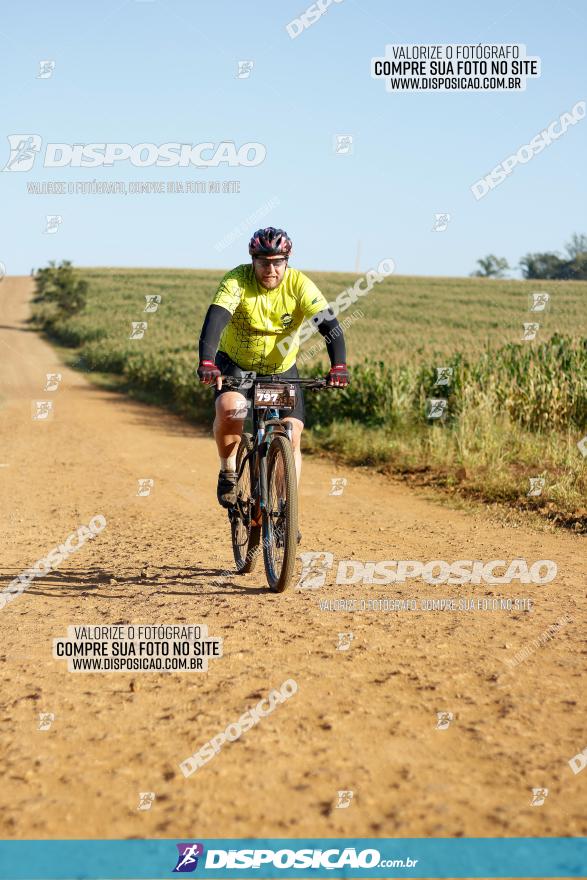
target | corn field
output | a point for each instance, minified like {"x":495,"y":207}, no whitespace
{"x":508,"y":410}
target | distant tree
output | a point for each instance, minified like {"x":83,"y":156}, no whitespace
{"x":550,"y":265}
{"x":542,"y":265}
{"x":491,"y":267}
{"x":576,"y":246}
{"x":577,"y":267}
{"x":58,"y":284}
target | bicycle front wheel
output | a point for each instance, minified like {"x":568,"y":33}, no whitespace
{"x":280,"y":520}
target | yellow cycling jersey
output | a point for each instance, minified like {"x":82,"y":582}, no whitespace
{"x":263,"y":318}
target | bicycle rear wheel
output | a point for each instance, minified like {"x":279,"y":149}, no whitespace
{"x":280,"y":520}
{"x":245,"y":535}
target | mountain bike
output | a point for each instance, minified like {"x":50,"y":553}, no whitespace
{"x":266,"y":508}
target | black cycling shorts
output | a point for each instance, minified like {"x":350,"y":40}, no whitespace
{"x":229,"y":368}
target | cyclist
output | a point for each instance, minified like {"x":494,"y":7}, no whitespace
{"x":259,"y":305}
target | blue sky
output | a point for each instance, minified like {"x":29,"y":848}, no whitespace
{"x":165,"y":71}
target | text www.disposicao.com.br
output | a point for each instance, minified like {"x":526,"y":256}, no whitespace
{"x":143,"y":664}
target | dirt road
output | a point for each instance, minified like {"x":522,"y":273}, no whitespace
{"x":363,"y":719}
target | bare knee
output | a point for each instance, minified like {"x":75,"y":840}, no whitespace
{"x":297,"y":428}
{"x":231,"y":411}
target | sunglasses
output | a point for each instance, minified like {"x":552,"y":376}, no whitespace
{"x":266,"y":263}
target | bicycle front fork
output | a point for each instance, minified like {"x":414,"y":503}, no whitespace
{"x":263,"y":476}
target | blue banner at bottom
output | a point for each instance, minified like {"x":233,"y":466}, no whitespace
{"x":286,"y":857}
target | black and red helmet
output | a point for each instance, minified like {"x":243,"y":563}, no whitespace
{"x":270,"y":242}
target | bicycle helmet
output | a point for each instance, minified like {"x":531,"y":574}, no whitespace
{"x":270,"y":242}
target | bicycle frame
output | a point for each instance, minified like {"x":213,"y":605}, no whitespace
{"x":263,"y":429}
{"x":267,"y":422}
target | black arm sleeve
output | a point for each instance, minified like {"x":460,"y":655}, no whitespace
{"x":217,"y":317}
{"x":332,"y":332}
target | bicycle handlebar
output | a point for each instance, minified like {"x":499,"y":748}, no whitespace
{"x":248,"y":380}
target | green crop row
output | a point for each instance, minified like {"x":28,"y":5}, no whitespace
{"x":513,"y":408}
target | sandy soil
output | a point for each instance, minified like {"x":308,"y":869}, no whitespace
{"x":362,"y":720}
